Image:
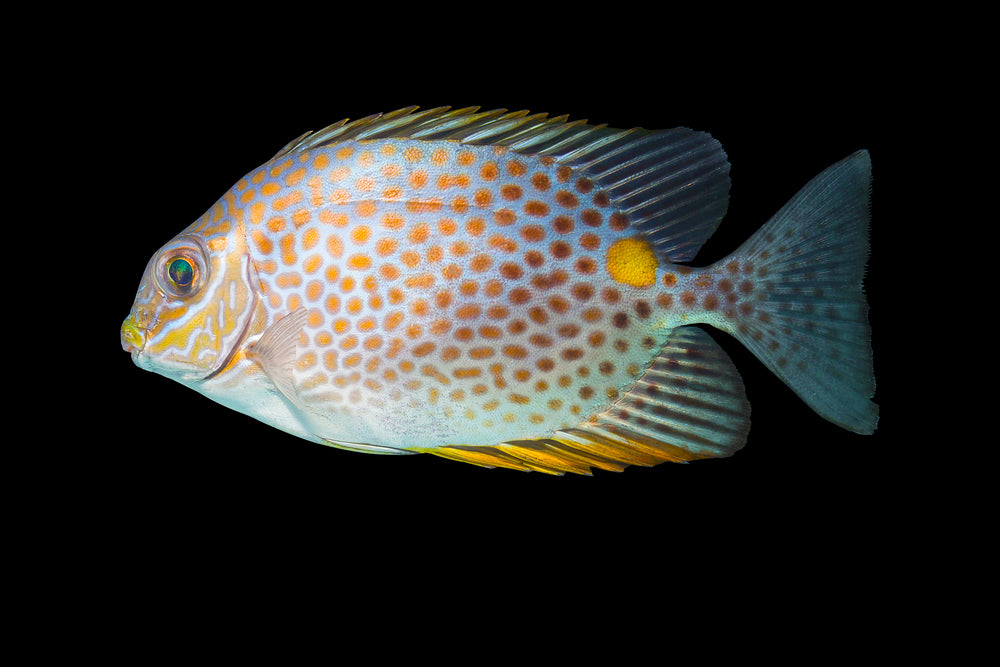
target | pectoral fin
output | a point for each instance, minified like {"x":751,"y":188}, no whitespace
{"x":275,"y":351}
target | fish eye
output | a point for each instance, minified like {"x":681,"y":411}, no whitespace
{"x":181,"y":268}
{"x":181,"y":273}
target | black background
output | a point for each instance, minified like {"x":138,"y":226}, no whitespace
{"x":182,"y":118}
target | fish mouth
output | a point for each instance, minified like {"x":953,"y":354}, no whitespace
{"x":133,"y":338}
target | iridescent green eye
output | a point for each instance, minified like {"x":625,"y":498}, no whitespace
{"x":181,"y":273}
{"x":181,"y":268}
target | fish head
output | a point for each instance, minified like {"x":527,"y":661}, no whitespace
{"x":194,"y":306}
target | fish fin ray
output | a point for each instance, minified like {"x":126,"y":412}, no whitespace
{"x":673,"y":185}
{"x":689,"y":404}
{"x":364,"y":448}
{"x":810,"y":326}
{"x":274,"y":351}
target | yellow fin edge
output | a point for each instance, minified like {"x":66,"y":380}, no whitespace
{"x":575,"y":450}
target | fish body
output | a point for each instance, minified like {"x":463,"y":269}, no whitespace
{"x":508,"y":290}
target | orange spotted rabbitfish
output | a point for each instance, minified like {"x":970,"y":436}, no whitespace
{"x":508,"y":290}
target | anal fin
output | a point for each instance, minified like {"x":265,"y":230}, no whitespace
{"x":689,"y":404}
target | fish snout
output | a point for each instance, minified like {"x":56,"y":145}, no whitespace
{"x":132,"y":335}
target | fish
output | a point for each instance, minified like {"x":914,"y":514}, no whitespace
{"x":510,"y":290}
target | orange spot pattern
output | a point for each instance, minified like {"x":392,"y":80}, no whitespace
{"x":465,"y":281}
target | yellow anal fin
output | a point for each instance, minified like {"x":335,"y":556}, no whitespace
{"x":624,"y":447}
{"x":485,"y":456}
{"x":556,"y":456}
{"x":575,"y":451}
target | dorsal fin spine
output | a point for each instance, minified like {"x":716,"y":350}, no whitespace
{"x":673,"y":185}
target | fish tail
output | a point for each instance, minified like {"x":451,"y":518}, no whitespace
{"x":799,"y":304}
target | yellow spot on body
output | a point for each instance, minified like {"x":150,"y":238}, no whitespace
{"x":632,"y":261}
{"x":312,"y":264}
{"x":338,"y":174}
{"x":360,"y":234}
{"x":475,"y":226}
{"x":419,"y":233}
{"x":263,"y":243}
{"x":294,"y":177}
{"x":310,"y":238}
{"x":360,"y":262}
{"x":257,"y":210}
{"x":285,"y":280}
{"x":423,"y":280}
{"x":334,"y":246}
{"x":392,"y":321}
{"x":336,"y":219}
{"x":385,"y":246}
{"x":278,"y":169}
{"x":424,"y":205}
{"x":287,"y":253}
{"x":410,"y":258}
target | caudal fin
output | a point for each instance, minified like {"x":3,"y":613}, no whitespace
{"x":809,"y":318}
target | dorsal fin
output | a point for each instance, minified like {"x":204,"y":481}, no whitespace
{"x":672,"y":184}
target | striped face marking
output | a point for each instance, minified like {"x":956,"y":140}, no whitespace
{"x":195,"y":303}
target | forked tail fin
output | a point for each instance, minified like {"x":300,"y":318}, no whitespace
{"x":809,"y":322}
